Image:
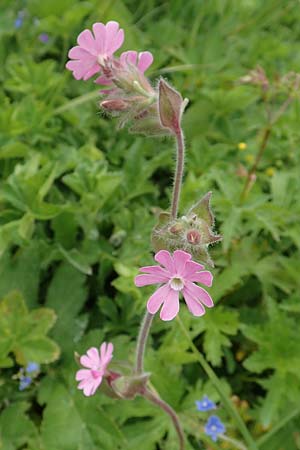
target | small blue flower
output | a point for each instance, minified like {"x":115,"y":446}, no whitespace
{"x":214,"y":427}
{"x":24,"y":382}
{"x":19,"y":19}
{"x":205,"y":404}
{"x":18,"y":22}
{"x":32,"y":367}
{"x":44,"y":38}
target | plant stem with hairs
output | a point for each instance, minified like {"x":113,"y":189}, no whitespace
{"x":178,"y":173}
{"x":148,"y":318}
{"x":272,"y":119}
{"x":152,"y":397}
{"x":141,"y":342}
{"x":251,"y":173}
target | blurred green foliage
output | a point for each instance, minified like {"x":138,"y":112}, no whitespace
{"x":77,"y":203}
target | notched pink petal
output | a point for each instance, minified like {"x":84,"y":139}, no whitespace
{"x":180,"y":259}
{"x":129,"y":57}
{"x":155,"y":270}
{"x":165,"y":259}
{"x":118,"y":41}
{"x":147,"y":279}
{"x":83,"y":383}
{"x":114,"y":37}
{"x":93,"y":354}
{"x":91,"y":72}
{"x":192,"y":267}
{"x":77,"y":67}
{"x":205,"y":277}
{"x":145,"y":61}
{"x":199,"y":293}
{"x":103,"y":80}
{"x":88,"y":388}
{"x":79,"y":53}
{"x":96,"y":384}
{"x":193,"y":305}
{"x":157,"y":299}
{"x":170,"y":306}
{"x":86,"y":362}
{"x":82,"y":374}
{"x":99,"y":31}
{"x":106,"y":351}
{"x":87,"y":42}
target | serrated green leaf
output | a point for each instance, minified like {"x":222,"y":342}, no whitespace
{"x":23,"y":332}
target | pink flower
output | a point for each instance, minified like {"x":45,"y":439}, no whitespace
{"x":96,"y":364}
{"x":178,"y":274}
{"x":93,"y":50}
{"x":142,"y":61}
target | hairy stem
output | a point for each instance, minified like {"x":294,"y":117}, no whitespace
{"x":169,"y":410}
{"x":262,"y":440}
{"x":251,"y":445}
{"x":178,"y":173}
{"x":142,"y":341}
{"x":272,"y":119}
{"x":234,"y":442}
{"x":262,"y":147}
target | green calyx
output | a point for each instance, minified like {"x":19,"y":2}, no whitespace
{"x":192,"y":233}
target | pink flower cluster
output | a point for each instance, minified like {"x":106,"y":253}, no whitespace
{"x":95,"y":364}
{"x":177,"y":273}
{"x":95,"y":54}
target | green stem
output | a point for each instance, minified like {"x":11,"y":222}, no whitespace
{"x":170,"y":411}
{"x":76,"y":102}
{"x":234,"y":442}
{"x":215,"y":381}
{"x":262,"y":440}
{"x":178,"y":173}
{"x":251,"y":173}
{"x":142,"y":341}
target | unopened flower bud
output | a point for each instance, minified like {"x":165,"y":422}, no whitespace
{"x":193,"y":237}
{"x":128,"y":387}
{"x":241,"y":171}
{"x":114,"y":105}
{"x":177,"y":228}
{"x":171,"y":106}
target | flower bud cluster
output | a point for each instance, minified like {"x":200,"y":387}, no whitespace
{"x":128,"y":94}
{"x":192,"y":233}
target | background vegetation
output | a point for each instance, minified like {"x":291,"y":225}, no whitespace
{"x":77,"y":205}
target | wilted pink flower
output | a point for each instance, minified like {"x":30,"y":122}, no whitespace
{"x":96,"y":364}
{"x":178,"y":274}
{"x":94,"y":50}
{"x":141,"y":60}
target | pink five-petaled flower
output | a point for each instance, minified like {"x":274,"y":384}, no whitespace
{"x":178,"y":274}
{"x":141,"y":60}
{"x":96,"y":364}
{"x":92,"y":51}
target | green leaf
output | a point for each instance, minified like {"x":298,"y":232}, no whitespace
{"x":216,"y":324}
{"x":23,"y":332}
{"x":71,"y":421}
{"x":39,"y":349}
{"x":16,"y":429}
{"x":21,"y":271}
{"x":67,"y":294}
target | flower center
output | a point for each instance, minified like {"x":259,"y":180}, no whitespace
{"x":101,"y":59}
{"x":177,"y":283}
{"x":96,"y":374}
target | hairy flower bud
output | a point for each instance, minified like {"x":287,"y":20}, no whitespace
{"x":114,"y":105}
{"x":192,"y":233}
{"x":193,"y":237}
{"x":128,"y":387}
{"x":171,"y":106}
